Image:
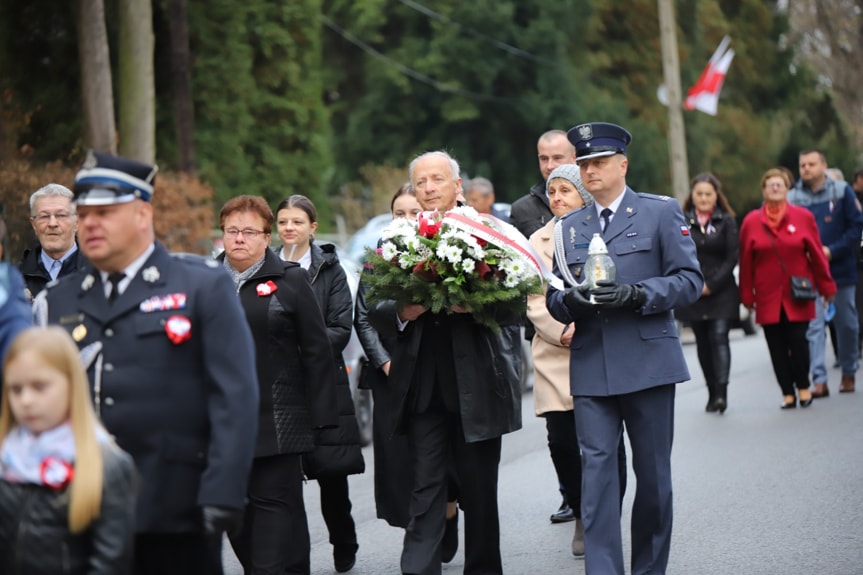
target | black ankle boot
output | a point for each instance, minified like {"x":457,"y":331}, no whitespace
{"x":711,"y":399}
{"x":721,"y":401}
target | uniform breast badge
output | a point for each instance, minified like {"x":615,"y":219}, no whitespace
{"x":178,"y":328}
{"x":79,"y":332}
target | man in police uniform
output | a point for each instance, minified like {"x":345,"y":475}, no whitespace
{"x":626,"y":354}
{"x":173,"y":371}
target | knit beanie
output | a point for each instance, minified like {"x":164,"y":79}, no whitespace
{"x":572,"y":174}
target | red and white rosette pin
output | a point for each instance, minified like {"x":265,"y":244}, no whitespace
{"x":265,"y":289}
{"x":55,"y":473}
{"x":178,"y":328}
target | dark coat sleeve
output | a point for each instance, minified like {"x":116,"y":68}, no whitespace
{"x":368,"y":335}
{"x":229,"y":363}
{"x":112,"y":534}
{"x":338,"y":308}
{"x":315,"y":351}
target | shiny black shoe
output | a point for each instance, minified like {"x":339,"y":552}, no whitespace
{"x":563,"y":515}
{"x":449,"y":545}
{"x":791,"y":404}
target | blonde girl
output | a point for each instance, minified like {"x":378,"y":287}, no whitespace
{"x":67,"y":494}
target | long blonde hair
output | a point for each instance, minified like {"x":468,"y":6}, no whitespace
{"x":54,"y":347}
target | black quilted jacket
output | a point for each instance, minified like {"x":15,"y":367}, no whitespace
{"x":34,"y":533}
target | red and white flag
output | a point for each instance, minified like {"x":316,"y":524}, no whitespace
{"x":704,"y":94}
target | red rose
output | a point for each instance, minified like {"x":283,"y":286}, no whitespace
{"x":429,"y":228}
{"x":482,"y":243}
{"x":426,"y":271}
{"x":483,"y":270}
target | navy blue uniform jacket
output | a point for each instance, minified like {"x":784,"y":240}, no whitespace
{"x":186,"y":412}
{"x":619,"y":351}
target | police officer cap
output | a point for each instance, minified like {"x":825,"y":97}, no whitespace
{"x":105,"y":180}
{"x":598,"y":139}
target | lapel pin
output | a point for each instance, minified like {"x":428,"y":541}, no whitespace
{"x":79,"y":333}
{"x":88,"y":282}
{"x":151,"y":274}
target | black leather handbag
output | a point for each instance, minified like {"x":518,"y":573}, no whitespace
{"x":801,"y":286}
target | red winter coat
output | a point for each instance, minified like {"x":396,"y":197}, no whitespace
{"x":763,"y":281}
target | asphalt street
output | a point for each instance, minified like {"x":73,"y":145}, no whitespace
{"x":757,"y":490}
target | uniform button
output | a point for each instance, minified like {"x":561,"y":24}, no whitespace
{"x":109,"y":332}
{"x":109,"y":401}
{"x":109,"y":367}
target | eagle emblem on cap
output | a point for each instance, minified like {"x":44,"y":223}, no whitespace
{"x":90,"y":162}
{"x":585,"y":132}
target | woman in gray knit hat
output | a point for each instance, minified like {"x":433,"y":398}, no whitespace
{"x":550,"y":350}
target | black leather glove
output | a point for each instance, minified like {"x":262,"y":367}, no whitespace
{"x":577,"y":299}
{"x":218,"y":520}
{"x":613,"y":295}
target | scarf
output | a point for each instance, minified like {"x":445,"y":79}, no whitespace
{"x":704,"y":222}
{"x":44,"y":459}
{"x":774,"y":212}
{"x":242,"y":277}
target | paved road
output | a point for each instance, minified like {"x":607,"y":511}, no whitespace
{"x":757,"y":490}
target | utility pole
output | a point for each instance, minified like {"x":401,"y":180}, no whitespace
{"x":671,"y":72}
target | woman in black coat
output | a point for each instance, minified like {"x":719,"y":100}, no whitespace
{"x":714,"y":230}
{"x":337,"y":452}
{"x":297,"y":383}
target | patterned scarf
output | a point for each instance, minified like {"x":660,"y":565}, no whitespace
{"x":242,"y":277}
{"x":44,"y":459}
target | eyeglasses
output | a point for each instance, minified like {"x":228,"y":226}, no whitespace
{"x":59,"y":216}
{"x":248,"y":233}
{"x":774,"y":186}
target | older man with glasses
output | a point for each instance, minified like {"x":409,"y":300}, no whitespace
{"x":56,"y":254}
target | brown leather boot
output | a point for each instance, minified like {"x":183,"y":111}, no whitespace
{"x":847,"y":384}
{"x":820,"y":390}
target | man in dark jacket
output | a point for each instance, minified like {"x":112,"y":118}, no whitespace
{"x":531,"y":211}
{"x":55,"y":223}
{"x":173,"y":378}
{"x":456,"y":395}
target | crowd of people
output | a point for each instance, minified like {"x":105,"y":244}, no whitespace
{"x":163,"y":400}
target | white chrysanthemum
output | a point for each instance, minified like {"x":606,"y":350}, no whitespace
{"x":389,"y":250}
{"x":510,"y":281}
{"x":468,"y":265}
{"x":413,"y":243}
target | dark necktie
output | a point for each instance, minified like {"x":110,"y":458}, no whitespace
{"x":605,"y":216}
{"x":114,"y":279}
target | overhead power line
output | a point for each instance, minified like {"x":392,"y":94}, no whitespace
{"x":476,"y":34}
{"x":410,"y":72}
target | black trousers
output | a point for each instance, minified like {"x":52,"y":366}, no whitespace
{"x":566,"y":457}
{"x":437,"y":439}
{"x":789,"y":353}
{"x":177,"y":554}
{"x":336,"y":509}
{"x":275,"y":535}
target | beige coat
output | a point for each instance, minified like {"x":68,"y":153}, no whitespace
{"x":550,"y":357}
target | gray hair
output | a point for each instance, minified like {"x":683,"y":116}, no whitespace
{"x":50,"y":191}
{"x":453,"y":165}
{"x":480,"y":184}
